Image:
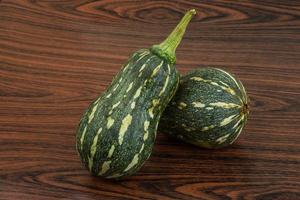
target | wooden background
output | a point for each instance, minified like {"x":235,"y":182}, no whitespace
{"x":56,"y":56}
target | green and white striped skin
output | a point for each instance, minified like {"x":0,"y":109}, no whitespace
{"x":117,"y":132}
{"x":209,"y":109}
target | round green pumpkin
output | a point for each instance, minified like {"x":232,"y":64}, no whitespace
{"x":209,"y":109}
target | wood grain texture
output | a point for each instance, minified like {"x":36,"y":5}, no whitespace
{"x":56,"y":56}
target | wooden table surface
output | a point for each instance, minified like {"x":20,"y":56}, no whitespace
{"x":56,"y":56}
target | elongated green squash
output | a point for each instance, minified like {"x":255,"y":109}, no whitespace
{"x":117,"y":132}
{"x":209,"y":109}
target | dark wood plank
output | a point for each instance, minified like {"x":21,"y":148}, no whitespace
{"x":57,"y":56}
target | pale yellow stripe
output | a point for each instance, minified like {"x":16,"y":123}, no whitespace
{"x":156,"y":69}
{"x":227,"y":89}
{"x":230,"y":76}
{"x":142,"y":148}
{"x":109,"y":95}
{"x":94,"y":148}
{"x":143,"y":66}
{"x":105,"y":167}
{"x":197,"y":79}
{"x":137,"y":93}
{"x":222,"y":139}
{"x":225,"y":105}
{"x":237,"y":123}
{"x":111,"y":151}
{"x":181,"y":105}
{"x":124,"y":126}
{"x":198,"y":105}
{"x":110,"y":122}
{"x":115,"y":176}
{"x":146,"y":126}
{"x":228,"y":120}
{"x":165,"y":86}
{"x":206,"y":128}
{"x":142,"y":55}
{"x":82,"y":136}
{"x":132,"y":105}
{"x":133,"y":162}
{"x":150,"y":111}
{"x":238,"y":134}
{"x":91,"y":116}
{"x":129,"y":87}
{"x":115,"y":105}
{"x":115,"y":87}
{"x":224,"y":83}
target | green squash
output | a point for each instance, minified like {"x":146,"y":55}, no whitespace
{"x":117,"y":132}
{"x":209,"y":109}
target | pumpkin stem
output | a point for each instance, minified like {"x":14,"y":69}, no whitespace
{"x":167,"y":48}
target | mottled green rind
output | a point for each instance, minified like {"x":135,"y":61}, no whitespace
{"x":151,"y":87}
{"x":186,"y":122}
